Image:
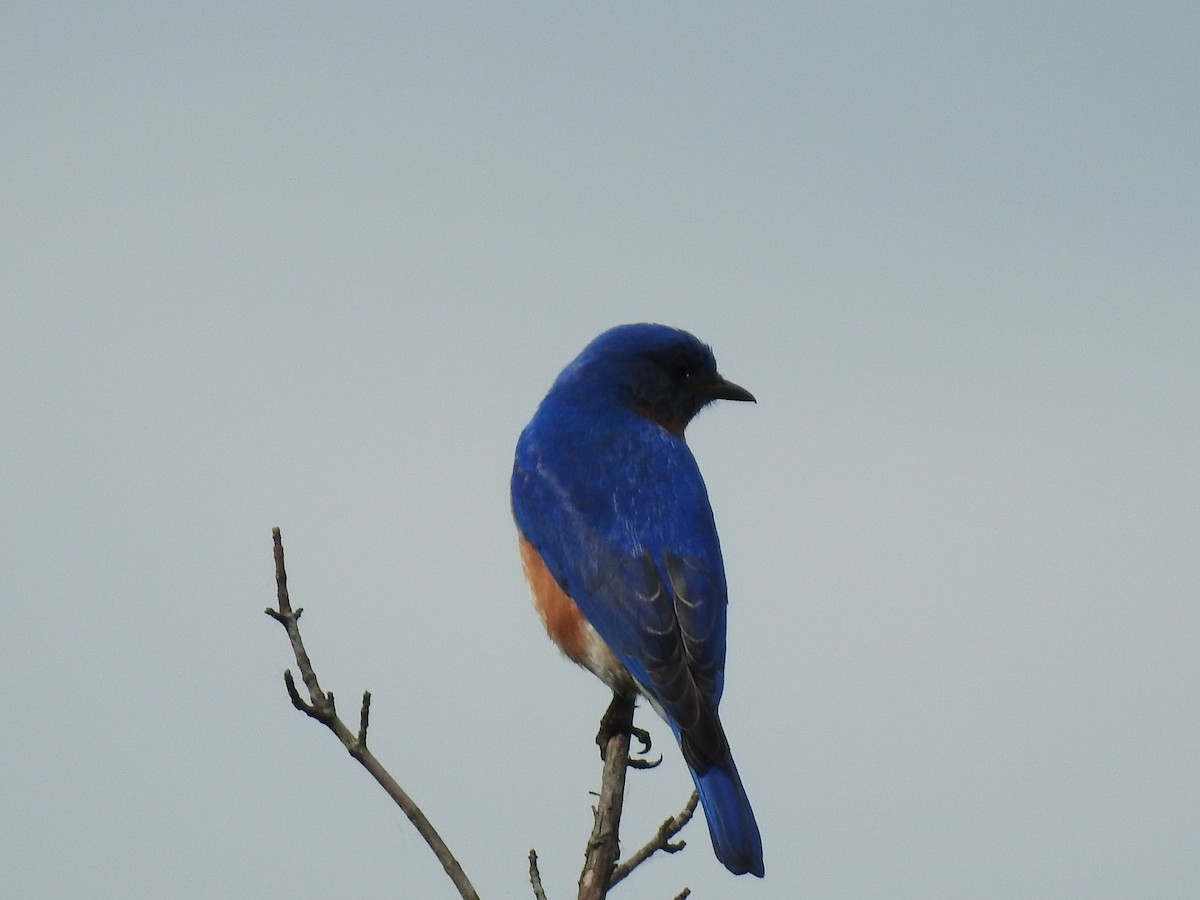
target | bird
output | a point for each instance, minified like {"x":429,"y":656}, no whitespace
{"x":620,"y":549}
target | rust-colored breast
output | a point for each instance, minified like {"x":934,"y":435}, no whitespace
{"x":564,"y":622}
{"x":566,"y":625}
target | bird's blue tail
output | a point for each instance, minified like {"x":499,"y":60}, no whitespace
{"x":731,"y":824}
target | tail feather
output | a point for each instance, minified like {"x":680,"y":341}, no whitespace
{"x":731,"y":824}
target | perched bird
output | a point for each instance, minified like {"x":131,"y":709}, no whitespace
{"x":620,"y":549}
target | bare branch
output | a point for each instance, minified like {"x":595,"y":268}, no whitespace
{"x":660,"y":841}
{"x":320,"y":706}
{"x":535,"y":877}
{"x":604,"y":843}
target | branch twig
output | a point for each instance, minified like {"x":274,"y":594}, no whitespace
{"x":320,"y":706}
{"x":535,"y":877}
{"x":660,"y":841}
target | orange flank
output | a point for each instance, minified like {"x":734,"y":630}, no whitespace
{"x":566,"y":625}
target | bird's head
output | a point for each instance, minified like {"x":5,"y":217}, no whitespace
{"x":662,"y":373}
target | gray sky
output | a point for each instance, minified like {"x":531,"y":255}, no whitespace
{"x":314,"y":266}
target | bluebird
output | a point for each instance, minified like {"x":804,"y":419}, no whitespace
{"x":620,"y":549}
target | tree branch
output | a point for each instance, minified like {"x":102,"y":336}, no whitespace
{"x":660,"y":841}
{"x":320,"y":706}
{"x":604,"y":844}
{"x":535,"y":877}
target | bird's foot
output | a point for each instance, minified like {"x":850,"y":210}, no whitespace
{"x":643,"y":737}
{"x":618,"y":720}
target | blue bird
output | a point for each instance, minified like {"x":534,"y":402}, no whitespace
{"x":620,"y":549}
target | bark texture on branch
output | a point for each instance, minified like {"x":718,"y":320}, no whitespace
{"x":604,"y":845}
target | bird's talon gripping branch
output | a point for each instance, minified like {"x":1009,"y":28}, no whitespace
{"x":617,"y":719}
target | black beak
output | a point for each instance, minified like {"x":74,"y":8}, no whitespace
{"x":727,"y":390}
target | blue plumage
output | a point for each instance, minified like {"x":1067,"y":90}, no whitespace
{"x":609,"y":502}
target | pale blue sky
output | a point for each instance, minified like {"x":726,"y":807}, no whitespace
{"x":314,"y":266}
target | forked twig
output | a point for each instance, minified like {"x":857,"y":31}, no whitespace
{"x":321,"y":707}
{"x":660,"y":841}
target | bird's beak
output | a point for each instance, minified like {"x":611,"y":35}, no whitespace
{"x":727,"y":390}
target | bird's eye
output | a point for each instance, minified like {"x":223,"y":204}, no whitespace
{"x":681,"y":370}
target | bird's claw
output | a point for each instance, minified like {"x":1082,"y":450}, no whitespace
{"x":616,"y":721}
{"x":645,"y":763}
{"x":643,"y":737}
